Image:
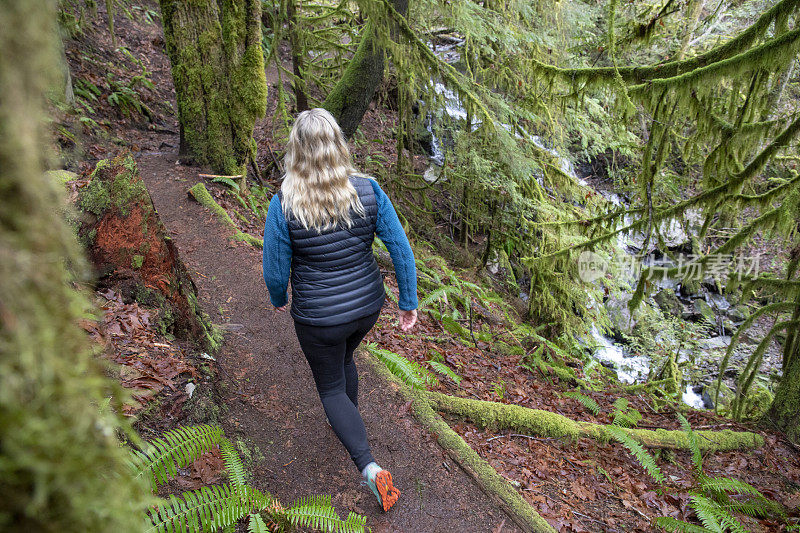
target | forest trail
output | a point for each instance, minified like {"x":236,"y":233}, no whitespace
{"x":270,"y":397}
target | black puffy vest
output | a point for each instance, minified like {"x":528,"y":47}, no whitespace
{"x":335,"y":278}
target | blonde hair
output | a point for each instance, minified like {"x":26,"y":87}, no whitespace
{"x":316,"y":189}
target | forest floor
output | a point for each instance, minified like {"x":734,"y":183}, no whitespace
{"x":264,"y":387}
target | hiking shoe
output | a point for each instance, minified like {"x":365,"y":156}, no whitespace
{"x":383,"y":489}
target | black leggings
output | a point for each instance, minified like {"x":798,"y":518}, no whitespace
{"x":329,"y":352}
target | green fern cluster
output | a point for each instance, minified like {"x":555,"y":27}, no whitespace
{"x":715,"y":500}
{"x":624,"y":415}
{"x":450,"y":299}
{"x":548,"y":359}
{"x":587,"y":401}
{"x":409,"y":371}
{"x":222,"y":506}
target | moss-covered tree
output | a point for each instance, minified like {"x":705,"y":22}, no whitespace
{"x":350,"y":98}
{"x":61,"y":466}
{"x":218,"y":69}
{"x":785,"y":409}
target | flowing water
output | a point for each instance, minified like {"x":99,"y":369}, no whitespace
{"x":630,"y":368}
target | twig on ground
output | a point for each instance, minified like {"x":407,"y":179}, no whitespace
{"x":631,"y":507}
{"x":219,"y":176}
{"x":542,"y":439}
{"x":647,"y":403}
{"x":556,"y":496}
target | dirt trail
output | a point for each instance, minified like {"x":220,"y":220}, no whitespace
{"x":270,"y":396}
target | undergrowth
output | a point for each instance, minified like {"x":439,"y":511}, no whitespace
{"x":219,"y":507}
{"x":716,"y":502}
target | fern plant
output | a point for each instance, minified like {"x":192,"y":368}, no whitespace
{"x":624,"y":415}
{"x":445,"y":370}
{"x":715,"y":500}
{"x":411,"y":372}
{"x":646,"y":460}
{"x":213,"y":508}
{"x":587,"y":401}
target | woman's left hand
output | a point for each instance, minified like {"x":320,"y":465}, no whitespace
{"x":408,"y":319}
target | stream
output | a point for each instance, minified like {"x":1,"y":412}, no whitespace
{"x":691,"y":303}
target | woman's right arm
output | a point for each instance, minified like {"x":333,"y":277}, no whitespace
{"x":277,"y":255}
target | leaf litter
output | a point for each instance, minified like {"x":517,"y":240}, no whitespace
{"x":149,"y":363}
{"x":585,"y":486}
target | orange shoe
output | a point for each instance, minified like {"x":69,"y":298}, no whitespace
{"x":388,"y":494}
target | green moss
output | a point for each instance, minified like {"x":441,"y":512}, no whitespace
{"x":153,"y":298}
{"x":202,"y":407}
{"x":218,"y":70}
{"x":137,"y":261}
{"x":61,"y":176}
{"x":757,"y":402}
{"x":211,"y":333}
{"x":203,"y":197}
{"x":249,"y":239}
{"x":709,"y":441}
{"x":88,"y":238}
{"x":498,"y":416}
{"x":495,"y":415}
{"x":507,"y":349}
{"x":122,"y":192}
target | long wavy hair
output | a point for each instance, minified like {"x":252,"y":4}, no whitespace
{"x":315,"y":188}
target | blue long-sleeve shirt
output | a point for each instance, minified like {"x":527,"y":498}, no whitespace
{"x":277,"y":256}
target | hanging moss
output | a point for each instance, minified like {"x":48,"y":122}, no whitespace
{"x":711,"y":112}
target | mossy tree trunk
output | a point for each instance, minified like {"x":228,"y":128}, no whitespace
{"x":298,"y":54}
{"x":218,"y":69}
{"x":785,"y":408}
{"x":350,"y":99}
{"x":61,"y":466}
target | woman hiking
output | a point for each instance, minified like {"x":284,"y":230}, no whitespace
{"x":319,"y":232}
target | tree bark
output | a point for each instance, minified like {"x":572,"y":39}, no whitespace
{"x":218,"y":69}
{"x":350,"y":99}
{"x":785,"y":408}
{"x":61,"y":465}
{"x":298,"y":66}
{"x":694,"y":9}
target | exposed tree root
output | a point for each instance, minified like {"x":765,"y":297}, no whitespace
{"x":493,"y":484}
{"x":547,"y":424}
{"x":204,"y":198}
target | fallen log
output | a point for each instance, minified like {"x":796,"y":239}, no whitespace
{"x":494,"y":415}
{"x":204,"y":198}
